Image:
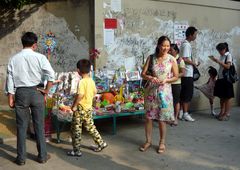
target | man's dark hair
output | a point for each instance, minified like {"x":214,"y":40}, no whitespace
{"x":84,"y":66}
{"x":28,"y":39}
{"x":190,"y":31}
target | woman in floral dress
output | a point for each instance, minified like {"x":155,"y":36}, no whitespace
{"x":158,"y":94}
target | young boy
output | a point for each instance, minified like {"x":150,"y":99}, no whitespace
{"x":82,"y":111}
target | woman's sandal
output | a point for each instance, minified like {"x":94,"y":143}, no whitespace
{"x":175,"y":123}
{"x":145,"y":146}
{"x":161,"y":148}
{"x":223,"y":118}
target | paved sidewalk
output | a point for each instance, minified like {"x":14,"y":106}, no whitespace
{"x":7,"y":125}
{"x":207,"y":144}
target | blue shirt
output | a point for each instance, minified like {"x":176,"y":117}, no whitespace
{"x":26,"y":69}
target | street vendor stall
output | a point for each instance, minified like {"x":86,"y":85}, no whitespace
{"x":117,"y":97}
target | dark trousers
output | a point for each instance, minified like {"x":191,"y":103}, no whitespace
{"x":186,"y":89}
{"x":26,"y":99}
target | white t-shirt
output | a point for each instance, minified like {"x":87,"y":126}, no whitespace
{"x":186,"y":52}
{"x":222,"y":59}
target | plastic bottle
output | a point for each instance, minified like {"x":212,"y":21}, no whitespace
{"x":163,"y":102}
{"x":118,"y":107}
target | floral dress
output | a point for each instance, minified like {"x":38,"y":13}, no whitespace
{"x":158,"y":99}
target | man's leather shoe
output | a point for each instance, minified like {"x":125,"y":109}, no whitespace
{"x":19,"y":162}
{"x":42,"y":161}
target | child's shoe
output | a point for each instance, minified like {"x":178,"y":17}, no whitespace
{"x":100,"y":147}
{"x":74,"y":153}
{"x":214,"y":113}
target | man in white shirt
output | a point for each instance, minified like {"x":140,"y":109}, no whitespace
{"x":24,"y":75}
{"x":187,"y":79}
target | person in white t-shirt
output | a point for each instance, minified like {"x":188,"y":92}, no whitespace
{"x":223,"y":89}
{"x":187,"y":78}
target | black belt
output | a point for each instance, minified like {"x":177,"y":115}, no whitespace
{"x":34,"y":87}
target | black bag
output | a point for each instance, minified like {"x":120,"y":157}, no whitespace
{"x":145,"y":83}
{"x":230,"y":74}
{"x":196,"y":73}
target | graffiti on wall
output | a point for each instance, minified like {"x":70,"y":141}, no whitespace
{"x":140,"y":43}
{"x":62,"y":46}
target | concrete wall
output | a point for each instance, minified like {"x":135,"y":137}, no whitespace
{"x":141,"y":22}
{"x":69,"y":21}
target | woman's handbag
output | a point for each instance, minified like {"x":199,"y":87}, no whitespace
{"x":196,"y":73}
{"x":230,"y":74}
{"x":145,"y":83}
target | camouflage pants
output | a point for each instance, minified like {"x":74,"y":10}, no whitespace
{"x":84,"y":118}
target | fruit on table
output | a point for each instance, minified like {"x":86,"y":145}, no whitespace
{"x":108,"y":97}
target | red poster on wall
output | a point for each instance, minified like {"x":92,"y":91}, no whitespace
{"x":110,"y":23}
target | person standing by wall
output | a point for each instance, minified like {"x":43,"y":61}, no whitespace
{"x":187,"y":79}
{"x":223,"y":89}
{"x":158,"y":99}
{"x":24,"y":89}
{"x":176,"y":86}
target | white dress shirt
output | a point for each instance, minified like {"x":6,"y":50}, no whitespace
{"x":26,"y":69}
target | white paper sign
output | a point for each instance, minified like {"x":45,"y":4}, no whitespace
{"x":132,"y":75}
{"x":130,"y":63}
{"x":116,"y":5}
{"x":179,"y":32}
{"x":108,"y":36}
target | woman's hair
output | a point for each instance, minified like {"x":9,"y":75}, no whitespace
{"x":222,"y":46}
{"x":212,"y":71}
{"x":160,"y":41}
{"x":175,"y":47}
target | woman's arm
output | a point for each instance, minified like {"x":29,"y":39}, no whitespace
{"x":225,"y":66}
{"x":175,"y":73}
